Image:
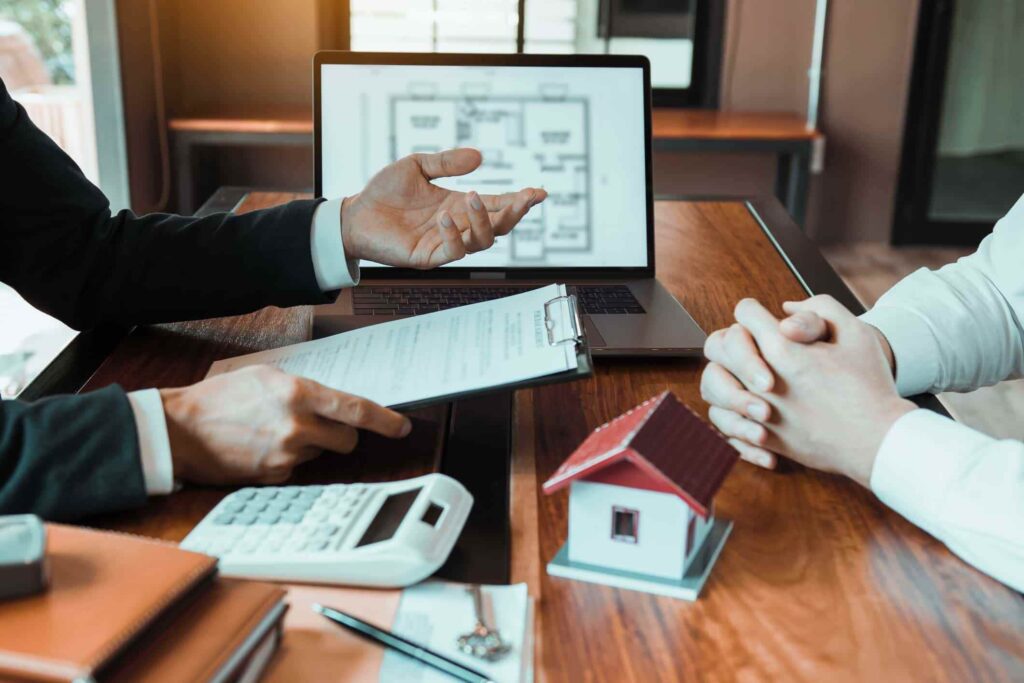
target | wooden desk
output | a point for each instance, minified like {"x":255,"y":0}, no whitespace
{"x":819,"y":581}
{"x":278,"y":127}
{"x":783,"y":134}
{"x":674,"y":130}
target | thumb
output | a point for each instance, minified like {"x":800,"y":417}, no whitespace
{"x":803,"y":326}
{"x":449,"y":162}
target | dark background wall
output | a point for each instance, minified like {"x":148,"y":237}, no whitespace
{"x":254,"y":55}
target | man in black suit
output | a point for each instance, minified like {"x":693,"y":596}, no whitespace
{"x":64,"y":252}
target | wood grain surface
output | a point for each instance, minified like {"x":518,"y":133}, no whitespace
{"x":667,"y":122}
{"x":708,"y":124}
{"x":818,"y":582}
{"x":275,"y":120}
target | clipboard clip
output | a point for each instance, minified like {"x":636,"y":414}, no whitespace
{"x":576,"y":337}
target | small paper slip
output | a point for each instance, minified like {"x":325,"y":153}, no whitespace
{"x":439,"y":356}
{"x":433,"y":614}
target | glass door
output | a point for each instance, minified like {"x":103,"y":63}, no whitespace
{"x":963,"y":157}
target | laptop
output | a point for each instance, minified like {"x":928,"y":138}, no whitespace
{"x":577,"y":125}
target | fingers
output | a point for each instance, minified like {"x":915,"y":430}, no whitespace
{"x":719,"y":388}
{"x":510,"y":208}
{"x":524,"y":198}
{"x":822,"y":304}
{"x":356,"y":411}
{"x":481,"y":233}
{"x":804,"y":327}
{"x":755,"y":455}
{"x":452,"y":245}
{"x":450,"y":162}
{"x":736,"y":426}
{"x":763,"y":326}
{"x":330,"y":435}
{"x":734,"y":348}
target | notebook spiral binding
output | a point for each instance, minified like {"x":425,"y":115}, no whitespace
{"x":574,"y":320}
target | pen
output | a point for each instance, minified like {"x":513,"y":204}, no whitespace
{"x":406,"y":647}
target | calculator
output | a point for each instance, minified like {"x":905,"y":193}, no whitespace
{"x":389,"y":534}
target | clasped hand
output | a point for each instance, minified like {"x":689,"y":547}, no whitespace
{"x":816,"y":386}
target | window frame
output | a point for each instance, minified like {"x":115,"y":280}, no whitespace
{"x":708,"y":40}
{"x":630,"y":539}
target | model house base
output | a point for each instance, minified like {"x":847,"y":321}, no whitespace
{"x":687,"y":587}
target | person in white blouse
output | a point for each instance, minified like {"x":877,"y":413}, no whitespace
{"x":825,"y":388}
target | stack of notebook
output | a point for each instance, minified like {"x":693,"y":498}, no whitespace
{"x":124,"y":608}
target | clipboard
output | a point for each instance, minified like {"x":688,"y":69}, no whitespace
{"x":577,"y":337}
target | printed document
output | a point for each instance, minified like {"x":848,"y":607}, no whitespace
{"x":414,"y":360}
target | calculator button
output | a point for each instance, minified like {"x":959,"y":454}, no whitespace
{"x":255,"y":507}
{"x":224,"y":519}
{"x":245,"y":518}
{"x":247,"y":546}
{"x":317,"y":545}
{"x":289,"y":492}
{"x":221,"y":547}
{"x":233,"y":506}
{"x":269,"y":517}
{"x":243,"y":494}
{"x":292,"y":517}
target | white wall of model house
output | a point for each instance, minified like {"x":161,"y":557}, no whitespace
{"x":662,"y":520}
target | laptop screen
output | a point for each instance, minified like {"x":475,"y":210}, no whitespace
{"x":577,"y":131}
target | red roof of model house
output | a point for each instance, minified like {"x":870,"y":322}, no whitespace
{"x":660,"y":445}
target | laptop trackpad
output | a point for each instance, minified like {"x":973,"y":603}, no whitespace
{"x":594,"y":336}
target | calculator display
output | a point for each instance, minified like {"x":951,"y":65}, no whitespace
{"x":389,"y":517}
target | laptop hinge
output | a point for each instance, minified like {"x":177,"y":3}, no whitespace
{"x":486,"y":276}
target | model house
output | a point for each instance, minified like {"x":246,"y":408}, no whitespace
{"x":641,"y":500}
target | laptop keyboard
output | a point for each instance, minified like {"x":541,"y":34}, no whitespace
{"x":594,"y":299}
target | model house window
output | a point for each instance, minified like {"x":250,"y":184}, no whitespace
{"x":625,"y":524}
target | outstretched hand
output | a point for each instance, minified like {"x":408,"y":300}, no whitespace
{"x":402,"y":219}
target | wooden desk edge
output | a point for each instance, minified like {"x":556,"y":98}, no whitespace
{"x":667,"y":123}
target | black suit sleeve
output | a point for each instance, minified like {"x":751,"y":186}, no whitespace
{"x":64,"y":252}
{"x":69,"y":456}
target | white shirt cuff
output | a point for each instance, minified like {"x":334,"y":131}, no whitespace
{"x":333,"y":270}
{"x":920,"y":458}
{"x":913,"y":346}
{"x":154,"y":444}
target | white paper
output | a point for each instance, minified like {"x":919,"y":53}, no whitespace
{"x":436,"y":354}
{"x":435,"y":614}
